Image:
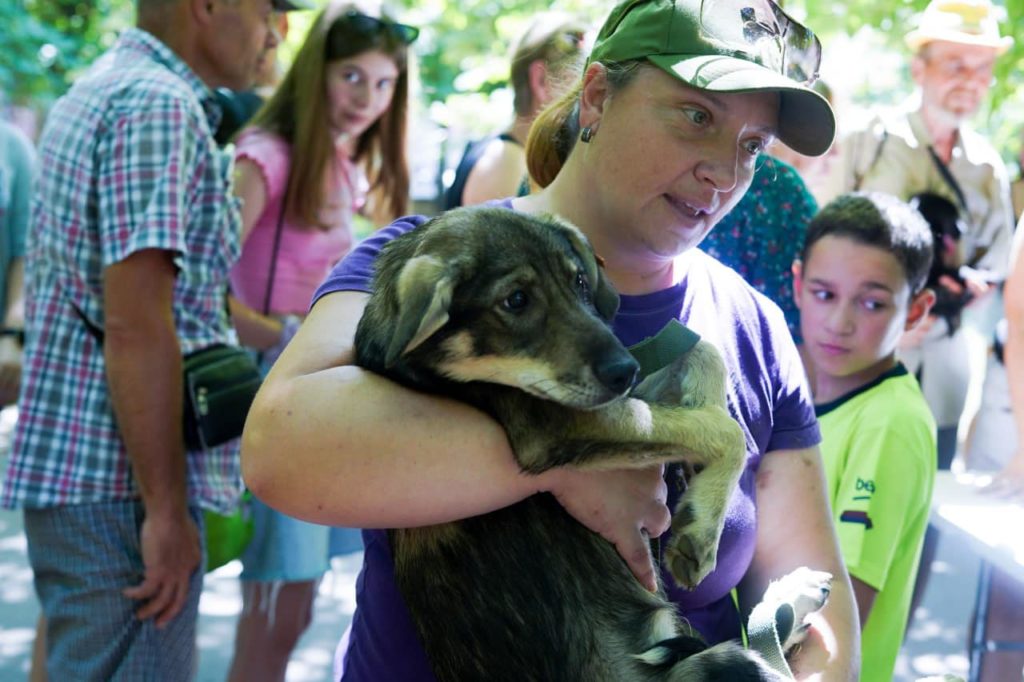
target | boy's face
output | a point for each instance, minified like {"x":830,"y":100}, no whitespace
{"x":855,"y":302}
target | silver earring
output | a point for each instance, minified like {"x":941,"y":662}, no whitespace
{"x":586,"y":135}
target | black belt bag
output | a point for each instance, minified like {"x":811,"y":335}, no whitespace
{"x":220,"y":383}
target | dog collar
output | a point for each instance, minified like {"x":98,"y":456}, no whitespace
{"x":662,"y":349}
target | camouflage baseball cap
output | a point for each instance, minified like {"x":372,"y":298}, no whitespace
{"x":289,"y":5}
{"x":728,"y":46}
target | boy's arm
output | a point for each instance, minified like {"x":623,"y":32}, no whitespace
{"x":865,"y":595}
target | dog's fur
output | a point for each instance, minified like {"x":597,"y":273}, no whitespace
{"x":943,"y":217}
{"x":510,"y":313}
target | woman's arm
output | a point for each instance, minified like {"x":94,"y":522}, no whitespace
{"x":1011,"y":479}
{"x":251,"y":189}
{"x":255,"y":330}
{"x":795,"y":529}
{"x":332,"y":443}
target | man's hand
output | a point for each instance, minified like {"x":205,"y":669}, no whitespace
{"x":1009,"y":483}
{"x":170,"y":553}
{"x":979,"y":283}
{"x":626,"y":507}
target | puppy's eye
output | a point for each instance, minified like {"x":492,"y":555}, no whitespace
{"x":583,"y":287}
{"x":516,"y":301}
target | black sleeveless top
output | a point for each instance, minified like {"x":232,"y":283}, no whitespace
{"x":474,"y":150}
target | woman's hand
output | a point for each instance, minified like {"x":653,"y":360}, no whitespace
{"x":625,"y":506}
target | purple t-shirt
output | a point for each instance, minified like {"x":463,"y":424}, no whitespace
{"x":767,"y":395}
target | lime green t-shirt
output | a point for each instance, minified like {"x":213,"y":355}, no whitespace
{"x":878,"y":446}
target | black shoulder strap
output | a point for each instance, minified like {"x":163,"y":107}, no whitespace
{"x":858,"y":174}
{"x":947,"y":175}
{"x":90,"y":326}
{"x":97,"y":332}
{"x":277,"y":246}
{"x":507,"y":137}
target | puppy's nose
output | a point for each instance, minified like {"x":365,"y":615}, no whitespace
{"x":617,"y":374}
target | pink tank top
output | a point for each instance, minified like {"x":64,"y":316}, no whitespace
{"x":305,"y":255}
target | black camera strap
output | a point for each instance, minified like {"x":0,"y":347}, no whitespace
{"x":961,"y":200}
{"x":272,"y":269}
{"x":947,"y":175}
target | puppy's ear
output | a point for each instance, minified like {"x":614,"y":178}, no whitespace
{"x":606,"y":299}
{"x":425,"y":288}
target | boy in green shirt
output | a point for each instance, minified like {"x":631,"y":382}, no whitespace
{"x":859,"y":284}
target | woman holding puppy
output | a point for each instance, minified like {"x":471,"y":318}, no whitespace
{"x":330,"y":143}
{"x":657,"y":142}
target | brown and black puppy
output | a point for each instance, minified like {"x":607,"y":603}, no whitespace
{"x":510,"y":313}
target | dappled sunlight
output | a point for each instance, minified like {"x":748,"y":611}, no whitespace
{"x":222,"y":594}
{"x":221,"y":603}
{"x":16,"y":641}
{"x":312,"y":664}
{"x":936,"y":664}
{"x":936,"y":643}
{"x":219,"y":606}
{"x":15,"y":583}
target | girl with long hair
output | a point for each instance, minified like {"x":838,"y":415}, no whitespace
{"x":329,"y":144}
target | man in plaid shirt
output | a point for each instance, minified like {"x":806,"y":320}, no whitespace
{"x":133,"y":225}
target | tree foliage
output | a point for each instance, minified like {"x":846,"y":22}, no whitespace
{"x":48,"y":42}
{"x":463,"y":50}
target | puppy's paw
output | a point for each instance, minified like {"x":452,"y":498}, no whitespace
{"x":693,"y":550}
{"x":801,"y":592}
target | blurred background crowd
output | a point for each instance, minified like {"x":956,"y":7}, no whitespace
{"x":461,"y":89}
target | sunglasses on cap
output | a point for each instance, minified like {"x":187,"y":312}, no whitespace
{"x":761,"y":28}
{"x":574,"y":38}
{"x":365,"y":24}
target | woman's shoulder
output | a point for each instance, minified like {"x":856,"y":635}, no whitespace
{"x":267,"y":151}
{"x":735,"y":314}
{"x":355,"y":271}
{"x":726,"y":288}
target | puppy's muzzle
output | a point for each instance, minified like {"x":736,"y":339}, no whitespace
{"x":617,"y":372}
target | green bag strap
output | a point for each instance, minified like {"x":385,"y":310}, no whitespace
{"x":660,"y":350}
{"x":656,"y":352}
{"x":766,"y":630}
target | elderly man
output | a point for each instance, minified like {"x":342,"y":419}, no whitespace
{"x":133,"y":229}
{"x":928,"y":146}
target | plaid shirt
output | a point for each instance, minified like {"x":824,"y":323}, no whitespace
{"x":127,"y":162}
